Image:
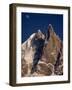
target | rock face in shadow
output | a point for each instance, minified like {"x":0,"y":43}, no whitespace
{"x":42,"y":58}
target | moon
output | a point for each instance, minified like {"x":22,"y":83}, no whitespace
{"x":27,"y":16}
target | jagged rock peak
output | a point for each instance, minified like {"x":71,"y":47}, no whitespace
{"x":50,"y":28}
{"x":39,"y":34}
{"x":39,"y":31}
{"x":50,"y":31}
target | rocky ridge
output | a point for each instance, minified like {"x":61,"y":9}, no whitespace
{"x":51,"y":60}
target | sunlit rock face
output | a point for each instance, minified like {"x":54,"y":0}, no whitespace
{"x":42,"y":54}
{"x":27,"y":54}
{"x":52,"y":52}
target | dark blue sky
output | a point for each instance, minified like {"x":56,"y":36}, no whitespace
{"x":31,"y":22}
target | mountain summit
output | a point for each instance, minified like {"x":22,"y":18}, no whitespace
{"x":42,"y":54}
